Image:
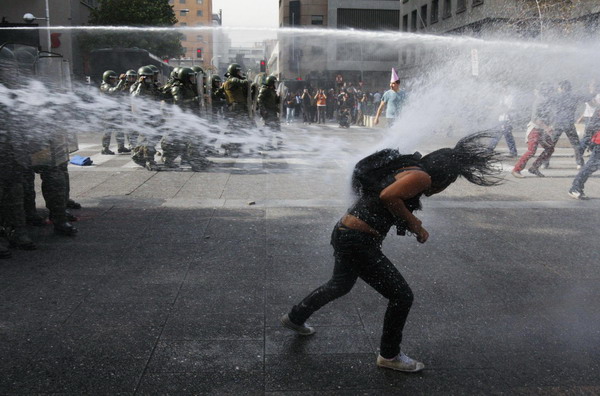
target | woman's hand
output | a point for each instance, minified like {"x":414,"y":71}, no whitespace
{"x":420,"y":232}
{"x":406,"y":186}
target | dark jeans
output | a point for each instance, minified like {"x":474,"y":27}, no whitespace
{"x":591,"y":166}
{"x":358,"y":254}
{"x":505,"y":130}
{"x":571,"y":133}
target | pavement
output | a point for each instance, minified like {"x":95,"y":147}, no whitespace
{"x":176,"y":282}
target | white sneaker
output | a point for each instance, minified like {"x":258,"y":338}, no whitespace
{"x":400,"y":363}
{"x":302,"y":329}
{"x":577,"y":194}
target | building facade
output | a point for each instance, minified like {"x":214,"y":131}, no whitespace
{"x":322,"y":56}
{"x":198,"y":44}
{"x":504,"y":19}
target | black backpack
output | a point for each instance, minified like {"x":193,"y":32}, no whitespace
{"x":376,"y":171}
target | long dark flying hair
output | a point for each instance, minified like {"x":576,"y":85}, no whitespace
{"x":470,"y":158}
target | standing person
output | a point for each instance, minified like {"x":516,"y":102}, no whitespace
{"x":388,"y":189}
{"x":111,"y":87}
{"x":506,"y":125}
{"x":306,"y":104}
{"x":331,"y":102}
{"x":539,"y":133}
{"x":593,"y":163}
{"x":321,"y":100}
{"x":290,"y":103}
{"x":565,"y":105}
{"x":268,"y":105}
{"x":147,"y":116}
{"x":392,"y":101}
{"x":298,"y":105}
{"x":588,"y":112}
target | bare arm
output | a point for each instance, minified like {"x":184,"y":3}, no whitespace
{"x":379,"y":110}
{"x":408,"y":185}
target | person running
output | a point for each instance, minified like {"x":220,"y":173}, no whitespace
{"x":539,"y":133}
{"x":593,"y":163}
{"x":385,"y":201}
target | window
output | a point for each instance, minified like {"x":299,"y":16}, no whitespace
{"x":181,"y":1}
{"x":199,"y":24}
{"x":435,"y":9}
{"x":413,"y":21}
{"x":199,"y":13}
{"x":405,"y":23}
{"x":316,"y":19}
{"x":199,"y":1}
{"x":182,"y":24}
{"x":461,"y":6}
{"x":200,"y":38}
{"x":447,"y":9}
{"x":171,"y":1}
{"x":183,"y":12}
{"x":423,"y":19}
{"x":477,"y":2}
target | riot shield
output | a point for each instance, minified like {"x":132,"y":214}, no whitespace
{"x":200,"y":90}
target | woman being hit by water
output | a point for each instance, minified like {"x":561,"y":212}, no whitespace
{"x":388,"y":188}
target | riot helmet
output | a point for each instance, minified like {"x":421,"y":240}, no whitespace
{"x":197,"y":69}
{"x":175,"y":72}
{"x":147,"y":73}
{"x":234,"y":70}
{"x":270,"y":81}
{"x":131,"y":75}
{"x":155,"y":69}
{"x":215,"y":81}
{"x":186,"y":74}
{"x":109,"y":76}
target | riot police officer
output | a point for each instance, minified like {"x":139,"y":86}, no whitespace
{"x":111,"y":87}
{"x":218,"y":98}
{"x":147,"y":116}
{"x":184,"y":95}
{"x":268,"y":104}
{"x":237,"y":90}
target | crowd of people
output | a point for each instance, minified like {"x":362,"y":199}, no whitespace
{"x":347,"y":105}
{"x":554,"y":113}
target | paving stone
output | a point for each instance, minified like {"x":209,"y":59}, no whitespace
{"x":174,"y":356}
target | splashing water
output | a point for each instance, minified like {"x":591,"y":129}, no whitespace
{"x":447,"y":96}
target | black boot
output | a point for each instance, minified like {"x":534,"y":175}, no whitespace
{"x":19,"y":239}
{"x":123,"y":149}
{"x":72,"y":204}
{"x":65,"y":228}
{"x":107,"y":151}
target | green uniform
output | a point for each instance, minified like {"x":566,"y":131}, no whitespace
{"x":268,"y":104}
{"x":113,"y":121}
{"x":144,"y":152}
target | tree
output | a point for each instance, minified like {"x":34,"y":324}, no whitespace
{"x":539,"y":16}
{"x":137,"y":13}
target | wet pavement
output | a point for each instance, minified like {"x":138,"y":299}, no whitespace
{"x":176,"y":282}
